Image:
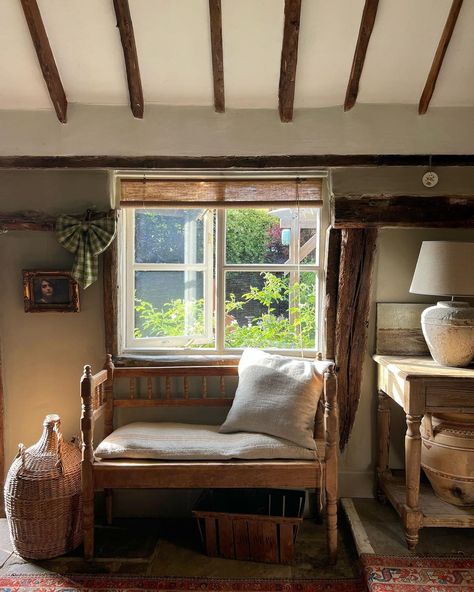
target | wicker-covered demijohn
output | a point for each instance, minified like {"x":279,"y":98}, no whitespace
{"x":43,"y":496}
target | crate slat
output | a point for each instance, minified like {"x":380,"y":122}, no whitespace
{"x":270,"y":542}
{"x":211,"y":538}
{"x":241,"y":540}
{"x":286,"y":543}
{"x":226,"y":538}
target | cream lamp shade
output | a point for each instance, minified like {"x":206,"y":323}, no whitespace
{"x":447,"y":269}
{"x":444,"y":268}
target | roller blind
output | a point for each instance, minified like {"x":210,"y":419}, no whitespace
{"x":235,"y":193}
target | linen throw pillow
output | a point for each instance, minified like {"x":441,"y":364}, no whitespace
{"x":276,"y":395}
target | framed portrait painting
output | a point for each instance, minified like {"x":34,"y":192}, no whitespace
{"x":50,"y":291}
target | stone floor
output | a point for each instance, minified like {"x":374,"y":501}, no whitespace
{"x":382,"y":531}
{"x":174,"y":548}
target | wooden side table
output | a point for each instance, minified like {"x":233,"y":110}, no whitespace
{"x":419,"y":385}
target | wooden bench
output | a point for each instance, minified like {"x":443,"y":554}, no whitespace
{"x":151,"y":387}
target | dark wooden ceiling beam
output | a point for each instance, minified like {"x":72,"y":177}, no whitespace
{"x":27,"y":220}
{"x":45,"y":58}
{"x":407,"y":211}
{"x":127,"y":36}
{"x":289,"y":59}
{"x":215,"y":19}
{"x":279,"y":161}
{"x":365,"y":31}
{"x":439,"y":56}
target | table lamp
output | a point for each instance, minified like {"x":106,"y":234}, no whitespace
{"x":447,"y":269}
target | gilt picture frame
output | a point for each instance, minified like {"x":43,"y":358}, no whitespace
{"x":50,"y":291}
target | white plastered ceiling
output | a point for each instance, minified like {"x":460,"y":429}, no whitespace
{"x":173,"y":45}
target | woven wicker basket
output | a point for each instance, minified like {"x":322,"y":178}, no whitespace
{"x":43,"y":496}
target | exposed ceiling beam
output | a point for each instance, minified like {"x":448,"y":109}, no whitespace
{"x":289,"y":59}
{"x":365,"y":31}
{"x":439,"y":56}
{"x":215,"y":14}
{"x":124,"y":23}
{"x":278,"y":161}
{"x":45,"y":58}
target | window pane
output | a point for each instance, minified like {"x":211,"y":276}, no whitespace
{"x":169,"y":236}
{"x":271,"y":310}
{"x":170,"y":303}
{"x":270,"y":236}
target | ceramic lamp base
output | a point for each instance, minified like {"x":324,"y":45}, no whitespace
{"x":448,"y":329}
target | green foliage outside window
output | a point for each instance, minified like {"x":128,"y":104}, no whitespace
{"x":266,"y":330}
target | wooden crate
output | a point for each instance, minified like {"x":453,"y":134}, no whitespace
{"x":250,"y":524}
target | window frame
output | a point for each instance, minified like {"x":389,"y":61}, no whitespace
{"x":221,"y":268}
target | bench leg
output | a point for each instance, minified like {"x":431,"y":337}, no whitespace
{"x":331,"y":526}
{"x":88,"y":524}
{"x":318,"y":515}
{"x":109,"y":508}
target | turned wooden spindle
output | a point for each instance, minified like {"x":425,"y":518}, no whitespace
{"x":149,"y":387}
{"x":186,"y":387}
{"x":222,"y":386}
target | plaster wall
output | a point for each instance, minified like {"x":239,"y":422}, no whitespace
{"x":199,"y":131}
{"x":43,"y":353}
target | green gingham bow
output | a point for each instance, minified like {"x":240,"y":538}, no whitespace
{"x":87,"y":239}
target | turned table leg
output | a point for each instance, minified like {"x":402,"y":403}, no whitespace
{"x":383,"y":442}
{"x":412,"y":516}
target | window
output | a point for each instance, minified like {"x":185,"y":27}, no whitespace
{"x":217,"y":279}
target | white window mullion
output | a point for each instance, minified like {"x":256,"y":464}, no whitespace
{"x":220,"y":281}
{"x":208,"y":287}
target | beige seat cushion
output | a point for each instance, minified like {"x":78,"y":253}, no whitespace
{"x":178,"y":441}
{"x":276,"y":395}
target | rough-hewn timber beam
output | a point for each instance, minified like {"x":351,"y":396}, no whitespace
{"x":439,"y":56}
{"x":26,"y":221}
{"x":405,"y":211}
{"x":215,"y":18}
{"x":289,"y":59}
{"x":213,"y":162}
{"x":45,"y":58}
{"x":365,"y":31}
{"x":333,"y":253}
{"x":353,"y":299}
{"x":125,"y":26}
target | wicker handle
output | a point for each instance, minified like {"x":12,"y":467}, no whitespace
{"x":59,"y":440}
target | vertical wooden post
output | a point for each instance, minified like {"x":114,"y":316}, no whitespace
{"x":86,"y":465}
{"x":353,"y":300}
{"x":331,"y":423}
{"x":110,"y":298}
{"x":109,"y":426}
{"x":331,"y":268}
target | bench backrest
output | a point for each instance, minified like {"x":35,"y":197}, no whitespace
{"x":167,"y":386}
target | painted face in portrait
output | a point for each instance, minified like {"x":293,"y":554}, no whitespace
{"x":47,"y":291}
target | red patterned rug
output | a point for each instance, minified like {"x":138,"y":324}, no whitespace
{"x":111,"y":583}
{"x":418,"y":574}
